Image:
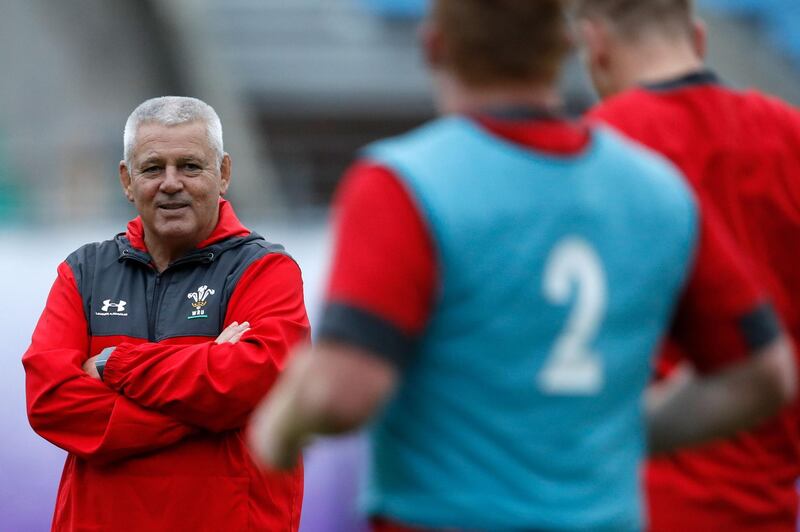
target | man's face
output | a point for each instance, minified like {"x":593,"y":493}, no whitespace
{"x":175,"y":181}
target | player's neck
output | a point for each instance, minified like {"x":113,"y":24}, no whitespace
{"x":658,"y":62}
{"x":457,"y":98}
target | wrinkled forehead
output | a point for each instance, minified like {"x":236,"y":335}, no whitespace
{"x":171,"y":142}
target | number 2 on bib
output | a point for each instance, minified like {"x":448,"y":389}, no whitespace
{"x":572,"y":368}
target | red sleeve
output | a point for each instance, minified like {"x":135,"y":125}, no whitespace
{"x":383,"y":276}
{"x":76,"y":412}
{"x":216,"y":386}
{"x":723,"y":315}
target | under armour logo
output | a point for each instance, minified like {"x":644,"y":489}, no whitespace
{"x":119,"y":306}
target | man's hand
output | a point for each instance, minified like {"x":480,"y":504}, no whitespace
{"x":333,"y":389}
{"x":270,"y":450}
{"x":91,"y":368}
{"x":274,"y":434}
{"x":95,"y":365}
{"x":698,"y":408}
{"x":233,"y":332}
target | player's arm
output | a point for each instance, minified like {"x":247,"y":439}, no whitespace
{"x":69,"y":408}
{"x":216,"y":385}
{"x":333,"y":389}
{"x":690,"y":408}
{"x":744,"y":360}
{"x":379,"y":298}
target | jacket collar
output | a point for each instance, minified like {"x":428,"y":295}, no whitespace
{"x":692,"y":79}
{"x":228,"y":226}
{"x":228,"y":233}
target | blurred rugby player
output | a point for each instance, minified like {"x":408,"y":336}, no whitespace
{"x":501,"y":280}
{"x":740,"y":150}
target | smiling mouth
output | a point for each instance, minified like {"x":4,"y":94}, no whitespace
{"x":172,"y":206}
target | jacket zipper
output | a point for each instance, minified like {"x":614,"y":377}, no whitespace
{"x":151,"y":329}
{"x":155,"y":303}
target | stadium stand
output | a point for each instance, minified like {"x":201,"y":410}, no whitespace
{"x":779,"y":19}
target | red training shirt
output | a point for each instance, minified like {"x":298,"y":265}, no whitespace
{"x":740,"y":150}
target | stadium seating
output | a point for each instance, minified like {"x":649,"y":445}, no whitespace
{"x":779,"y":19}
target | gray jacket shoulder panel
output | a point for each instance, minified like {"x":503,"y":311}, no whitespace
{"x":123,"y":295}
{"x":85,"y":261}
{"x":253,"y":250}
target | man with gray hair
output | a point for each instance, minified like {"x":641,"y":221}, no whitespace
{"x":155,"y":346}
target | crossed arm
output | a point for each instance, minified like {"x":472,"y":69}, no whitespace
{"x":213,"y":385}
{"x":70,"y":409}
{"x":232,"y":334}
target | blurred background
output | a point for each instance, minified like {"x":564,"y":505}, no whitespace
{"x":300,"y":85}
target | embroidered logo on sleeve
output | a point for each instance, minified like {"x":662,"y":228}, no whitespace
{"x":199,"y":301}
{"x":112,"y":308}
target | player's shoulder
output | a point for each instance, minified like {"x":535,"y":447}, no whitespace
{"x":391,"y":162}
{"x":645,"y":174}
{"x":371,"y":185}
{"x":632,"y":154}
{"x":640,"y":114}
{"x":619,"y":107}
{"x":433,"y":138}
{"x":367,"y":177}
{"x":770,"y":106}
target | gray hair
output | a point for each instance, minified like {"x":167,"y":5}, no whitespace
{"x":173,"y":111}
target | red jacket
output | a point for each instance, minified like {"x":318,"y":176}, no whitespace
{"x":158,"y":444}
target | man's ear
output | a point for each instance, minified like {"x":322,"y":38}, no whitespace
{"x":595,"y":42}
{"x":225,"y":174}
{"x":699,"y":37}
{"x":432,"y":44}
{"x":597,"y":48}
{"x":125,"y":180}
